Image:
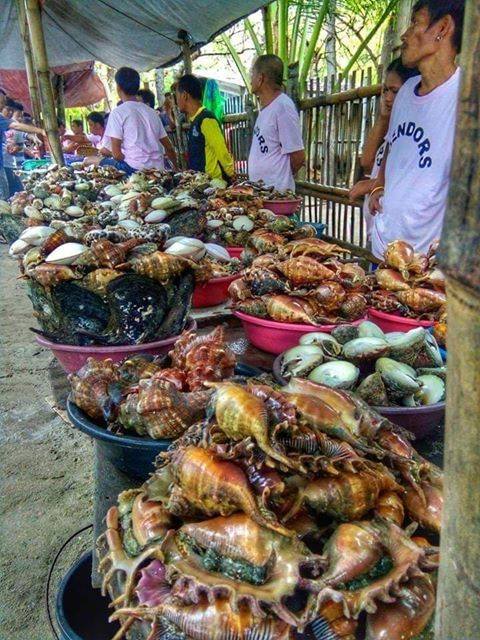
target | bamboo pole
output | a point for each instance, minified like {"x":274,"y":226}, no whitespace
{"x":39,"y":50}
{"x":306,"y":62}
{"x":267,"y":13}
{"x":253,"y":36}
{"x":236,"y":58}
{"x":296,"y":27}
{"x":403,"y":20}
{"x":458,"y":602}
{"x":30,"y":69}
{"x":282,"y":33}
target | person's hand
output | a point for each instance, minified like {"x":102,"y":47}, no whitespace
{"x":374,"y":203}
{"x":385,"y":110}
{"x":360,"y":189}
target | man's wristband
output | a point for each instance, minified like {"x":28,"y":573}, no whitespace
{"x":376,"y":189}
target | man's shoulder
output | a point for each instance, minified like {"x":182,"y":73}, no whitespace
{"x":285,"y":103}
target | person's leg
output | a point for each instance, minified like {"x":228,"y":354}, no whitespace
{"x":14,"y":182}
{"x":118,"y":164}
{"x":3,"y":185}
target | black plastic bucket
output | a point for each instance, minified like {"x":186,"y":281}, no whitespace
{"x":82,"y":612}
{"x":133,"y":455}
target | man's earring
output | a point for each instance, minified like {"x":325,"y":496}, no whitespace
{"x":439,"y":38}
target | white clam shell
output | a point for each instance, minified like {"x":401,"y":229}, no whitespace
{"x":66,"y":253}
{"x":129,"y":224}
{"x":170,"y":241}
{"x":243,"y":223}
{"x":122,"y":214}
{"x":74,"y":212}
{"x":5,"y":207}
{"x":214,"y":224}
{"x":164,"y":202}
{"x":187,"y":248}
{"x":18,"y":248}
{"x":36,"y":235}
{"x":130,"y":195}
{"x":217,"y":252}
{"x":112,"y":190}
{"x":116,"y":199}
{"x":157,"y":215}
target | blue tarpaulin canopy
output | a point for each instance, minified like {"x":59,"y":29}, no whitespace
{"x":140,"y":34}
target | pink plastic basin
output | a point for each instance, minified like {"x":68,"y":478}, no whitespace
{"x":283,"y":207}
{"x":73,"y":357}
{"x":389,"y":322}
{"x":235,"y":252}
{"x":277,"y":337}
{"x":213,"y":292}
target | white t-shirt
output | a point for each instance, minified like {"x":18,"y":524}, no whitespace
{"x":140,"y":130}
{"x":417,"y":178}
{"x":373,"y":174}
{"x":276,"y":134}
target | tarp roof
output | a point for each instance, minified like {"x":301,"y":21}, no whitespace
{"x":142,"y":34}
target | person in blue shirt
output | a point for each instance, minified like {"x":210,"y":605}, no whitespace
{"x":5,"y":125}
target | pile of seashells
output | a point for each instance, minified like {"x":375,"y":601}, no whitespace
{"x":392,"y":369}
{"x":271,"y":516}
{"x":410,"y":284}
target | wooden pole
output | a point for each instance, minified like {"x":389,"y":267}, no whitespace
{"x":404,"y":12}
{"x":39,"y":50}
{"x":30,"y":69}
{"x":458,"y":603}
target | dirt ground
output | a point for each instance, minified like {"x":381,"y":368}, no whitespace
{"x":46,"y":470}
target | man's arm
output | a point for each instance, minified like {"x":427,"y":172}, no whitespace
{"x":117,"y":149}
{"x":27,"y":128}
{"x":215,"y":139}
{"x":373,"y":142}
{"x":169,"y":150}
{"x":297,"y":160}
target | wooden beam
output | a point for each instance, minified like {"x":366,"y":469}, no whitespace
{"x":39,"y":50}
{"x":458,"y":601}
{"x":341,"y":96}
{"x":30,"y":69}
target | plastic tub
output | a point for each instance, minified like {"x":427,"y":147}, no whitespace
{"x":235,"y":252}
{"x":213,"y":292}
{"x":131,"y":454}
{"x":283,"y":207}
{"x":73,"y":357}
{"x":421,"y":421}
{"x":82,"y":612}
{"x":389,"y":322}
{"x":277,"y":337}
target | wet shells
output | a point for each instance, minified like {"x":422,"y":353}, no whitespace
{"x":365,"y":348}
{"x":116,"y":199}
{"x":432,"y":391}
{"x":67,"y":253}
{"x":367,"y":329}
{"x":129,"y":224}
{"x":337,"y":374}
{"x":217,"y":252}
{"x":5,"y":207}
{"x":187,"y":248}
{"x":112,"y":190}
{"x":18,"y":248}
{"x":405,"y":347}
{"x":243,"y":223}
{"x":301,"y":360}
{"x":33,"y":213}
{"x":373,"y":391}
{"x":329,"y":345}
{"x":399,"y":378}
{"x":36,"y":235}
{"x":82,"y":186}
{"x":164,"y":202}
{"x":157,"y":215}
{"x":74,"y":212}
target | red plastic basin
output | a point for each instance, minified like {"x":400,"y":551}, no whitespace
{"x":213,"y":292}
{"x":277,"y":337}
{"x":235,"y":252}
{"x":389,"y":322}
{"x":283,"y":207}
{"x":72,"y":357}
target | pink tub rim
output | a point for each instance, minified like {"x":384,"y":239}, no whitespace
{"x":393,"y":317}
{"x":128,"y":348}
{"x":308,"y":328}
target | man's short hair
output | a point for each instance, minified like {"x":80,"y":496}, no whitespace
{"x":190,"y":84}
{"x":97,"y":117}
{"x":438,"y":9}
{"x":147,"y":97}
{"x":128,"y":80}
{"x":271,"y":66}
{"x":78,"y":122}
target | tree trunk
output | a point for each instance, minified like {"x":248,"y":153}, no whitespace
{"x":160,"y":86}
{"x":387,"y":46}
{"x":458,"y":603}
{"x":404,"y":12}
{"x":331,"y":42}
{"x":37,"y":42}
{"x":29,"y":66}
